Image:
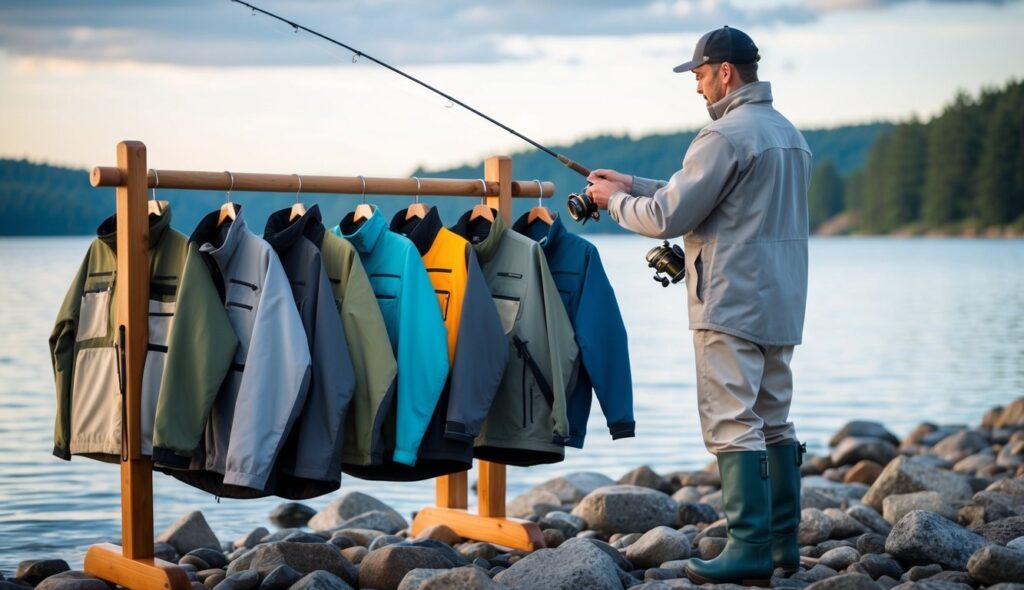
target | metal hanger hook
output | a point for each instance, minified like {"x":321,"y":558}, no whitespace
{"x":363,"y":196}
{"x":483,"y":195}
{"x":300,"y":187}
{"x":540,"y":192}
{"x":231,"y":187}
{"x":416,"y":199}
{"x":157,"y":175}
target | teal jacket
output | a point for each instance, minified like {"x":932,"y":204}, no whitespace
{"x":413,"y":319}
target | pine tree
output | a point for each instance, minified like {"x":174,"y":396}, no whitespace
{"x":903,"y":175}
{"x":1000,"y":178}
{"x":825,"y":196}
{"x":954,"y":141}
{"x":873,"y":186}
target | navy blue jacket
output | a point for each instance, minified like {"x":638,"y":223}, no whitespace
{"x":600,"y":333}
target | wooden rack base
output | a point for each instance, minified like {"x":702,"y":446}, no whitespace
{"x":133,"y":564}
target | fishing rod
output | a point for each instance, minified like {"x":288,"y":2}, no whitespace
{"x":358,"y":54}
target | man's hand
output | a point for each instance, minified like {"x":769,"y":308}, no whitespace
{"x":606,"y":182}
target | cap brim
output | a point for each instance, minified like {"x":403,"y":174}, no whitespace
{"x":689,"y":66}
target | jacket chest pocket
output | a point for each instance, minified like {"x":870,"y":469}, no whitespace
{"x":94,"y":314}
{"x":507,"y":291}
{"x":442,"y":282}
{"x":387,"y":287}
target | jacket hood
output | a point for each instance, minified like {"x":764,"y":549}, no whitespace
{"x":220,"y":242}
{"x":750,"y":93}
{"x":422,"y":232}
{"x":107,"y":231}
{"x":365,"y":236}
{"x":545,"y":235}
{"x":484,"y":235}
{"x":281,"y":233}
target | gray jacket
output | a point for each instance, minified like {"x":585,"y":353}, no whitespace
{"x":264,"y":391}
{"x":310,"y":463}
{"x":741,"y":203}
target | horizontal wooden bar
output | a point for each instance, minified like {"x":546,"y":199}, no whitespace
{"x":349,"y":185}
{"x":507,"y":532}
{"x":106,"y":562}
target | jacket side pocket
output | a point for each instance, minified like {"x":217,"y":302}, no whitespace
{"x":508,"y":311}
{"x":695,"y":280}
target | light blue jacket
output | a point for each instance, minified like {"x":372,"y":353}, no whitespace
{"x":413,"y":319}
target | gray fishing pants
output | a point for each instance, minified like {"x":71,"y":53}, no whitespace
{"x":743,"y":392}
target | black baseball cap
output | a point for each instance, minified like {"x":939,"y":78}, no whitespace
{"x":725,"y":44}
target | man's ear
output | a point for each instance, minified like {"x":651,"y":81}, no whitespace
{"x":726,"y":73}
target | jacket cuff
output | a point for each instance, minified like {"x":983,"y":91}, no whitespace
{"x":61,"y":453}
{"x":405,"y":457}
{"x":622,"y":430}
{"x":457,"y":431}
{"x":168,"y":459}
{"x":248,"y":480}
{"x":643,"y":187}
{"x":560,"y":440}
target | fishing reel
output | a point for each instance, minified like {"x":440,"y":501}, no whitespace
{"x":669,"y":259}
{"x":581,"y":207}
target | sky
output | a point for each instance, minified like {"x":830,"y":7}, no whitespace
{"x":207,"y":85}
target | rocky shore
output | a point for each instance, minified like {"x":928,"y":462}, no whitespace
{"x":942,"y":509}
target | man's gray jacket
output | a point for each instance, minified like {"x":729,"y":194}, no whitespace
{"x":741,"y":202}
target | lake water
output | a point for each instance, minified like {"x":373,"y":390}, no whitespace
{"x":898,"y":330}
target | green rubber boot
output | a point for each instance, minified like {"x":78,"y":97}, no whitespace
{"x":784,"y":474}
{"x":746,"y":501}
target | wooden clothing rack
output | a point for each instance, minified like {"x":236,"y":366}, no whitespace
{"x":133,"y":564}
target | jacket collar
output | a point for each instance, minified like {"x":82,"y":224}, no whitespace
{"x":484,"y":235}
{"x":546,"y":235}
{"x":107,"y":231}
{"x":282,"y":233}
{"x":365,"y":236}
{"x":220,"y":242}
{"x":422,"y":232}
{"x":749,"y":93}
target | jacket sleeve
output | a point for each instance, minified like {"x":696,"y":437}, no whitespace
{"x":564,"y":354}
{"x":708,"y":174}
{"x":373,"y":360}
{"x":62,"y":356}
{"x":274,"y":383}
{"x":422,"y":358}
{"x":200,"y":349}
{"x":481,"y":354}
{"x":601,"y":336}
{"x":645,"y":187}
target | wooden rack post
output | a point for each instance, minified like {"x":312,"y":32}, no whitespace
{"x":133,"y":565}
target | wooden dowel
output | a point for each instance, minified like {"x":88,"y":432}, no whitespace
{"x":349,"y":185}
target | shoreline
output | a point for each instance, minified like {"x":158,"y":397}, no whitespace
{"x":943,"y":509}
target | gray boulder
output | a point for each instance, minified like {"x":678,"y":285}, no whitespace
{"x":571,"y":488}
{"x":280,"y":578}
{"x":386,"y":521}
{"x":414,"y":578}
{"x":870,"y":518}
{"x":576,"y":564}
{"x":897,"y":505}
{"x":657,"y":546}
{"x":870,"y":543}
{"x":846,"y":582}
{"x":877,"y":566}
{"x":563,"y":521}
{"x":241,"y":580}
{"x":711,"y":547}
{"x":864,"y":429}
{"x":189,"y":532}
{"x":291,"y":514}
{"x":814,"y":527}
{"x":251,"y":539}
{"x":384,"y":568}
{"x":844,"y":525}
{"x":839,"y":558}
{"x":302,"y":557}
{"x":350,"y":505}
{"x":993,"y":564}
{"x":321,"y":580}
{"x":815,"y":574}
{"x":362,"y":537}
{"x":1017,"y":544}
{"x":66,"y":580}
{"x":926,"y":537}
{"x":533,"y":502}
{"x":34,"y":571}
{"x":975,"y":463}
{"x":1002,"y":531}
{"x":853,"y":449}
{"x":960,"y":445}
{"x":695,"y":513}
{"x":903,"y":476}
{"x":626,"y":509}
{"x":460,"y":578}
{"x":646,"y":477}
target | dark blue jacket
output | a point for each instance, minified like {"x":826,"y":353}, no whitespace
{"x":600,"y":333}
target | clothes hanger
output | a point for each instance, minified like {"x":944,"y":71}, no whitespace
{"x":363,"y":211}
{"x":417,"y":209}
{"x":227,"y":210}
{"x":482,"y":210}
{"x":540,"y":211}
{"x":154,"y":205}
{"x":298,"y":209}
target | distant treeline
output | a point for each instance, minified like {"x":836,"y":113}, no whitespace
{"x":962,"y":170}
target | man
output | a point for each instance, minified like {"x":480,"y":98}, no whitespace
{"x":740,"y":201}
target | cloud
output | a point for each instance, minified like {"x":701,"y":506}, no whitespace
{"x":206,"y":33}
